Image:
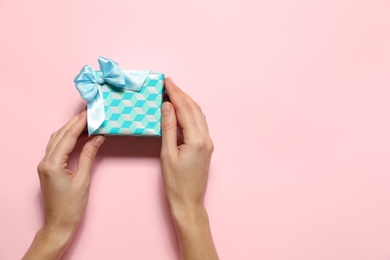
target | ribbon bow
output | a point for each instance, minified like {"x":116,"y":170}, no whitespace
{"x":88,"y":83}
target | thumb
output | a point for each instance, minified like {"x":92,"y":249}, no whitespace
{"x":88,"y":154}
{"x":168,"y":127}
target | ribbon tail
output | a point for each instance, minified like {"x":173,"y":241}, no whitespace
{"x":95,"y":112}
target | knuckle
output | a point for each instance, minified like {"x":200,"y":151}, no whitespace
{"x":70,"y":133}
{"x":184,"y":108}
{"x":167,"y":126}
{"x":204,"y":117}
{"x":203,"y":144}
{"x":89,"y":154}
{"x":210,"y":146}
{"x":40,"y":167}
{"x":192,"y":103}
{"x":46,"y":167}
{"x":53,"y":135}
{"x":196,"y":106}
{"x":200,"y":144}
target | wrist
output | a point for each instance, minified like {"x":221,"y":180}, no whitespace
{"x":57,"y":237}
{"x":188,"y":213}
{"x":193,"y":232}
{"x":49,"y":243}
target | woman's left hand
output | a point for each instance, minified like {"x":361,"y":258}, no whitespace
{"x":65,"y":192}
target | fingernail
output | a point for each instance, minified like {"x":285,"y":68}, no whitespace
{"x":166,"y":109}
{"x":99,"y":140}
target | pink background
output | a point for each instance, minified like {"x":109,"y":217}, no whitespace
{"x":296,"y":94}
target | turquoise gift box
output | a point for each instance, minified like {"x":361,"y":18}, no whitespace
{"x":121,"y":102}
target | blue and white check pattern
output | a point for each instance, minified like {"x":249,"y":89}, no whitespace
{"x":133,"y":113}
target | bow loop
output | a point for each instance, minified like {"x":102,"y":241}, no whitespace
{"x":111,"y":73}
{"x":88,"y":83}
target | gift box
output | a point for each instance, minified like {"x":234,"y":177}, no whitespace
{"x":121,"y":102}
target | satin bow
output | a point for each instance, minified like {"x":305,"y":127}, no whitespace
{"x":88,"y":83}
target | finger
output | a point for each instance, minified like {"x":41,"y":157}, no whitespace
{"x":200,"y":118}
{"x":56,"y":136}
{"x":69,"y":139}
{"x":88,"y":154}
{"x":169,"y":128}
{"x":184,"y":114}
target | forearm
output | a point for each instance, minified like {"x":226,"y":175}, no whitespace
{"x":50,"y":243}
{"x":194,"y":234}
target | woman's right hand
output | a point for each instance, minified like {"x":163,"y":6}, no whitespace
{"x":185,"y":172}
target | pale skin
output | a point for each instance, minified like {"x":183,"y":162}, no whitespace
{"x":184,"y":169}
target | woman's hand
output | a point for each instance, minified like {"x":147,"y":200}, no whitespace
{"x":65,"y":192}
{"x":185,"y":172}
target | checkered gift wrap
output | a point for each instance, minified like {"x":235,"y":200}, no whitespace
{"x":133,"y":113}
